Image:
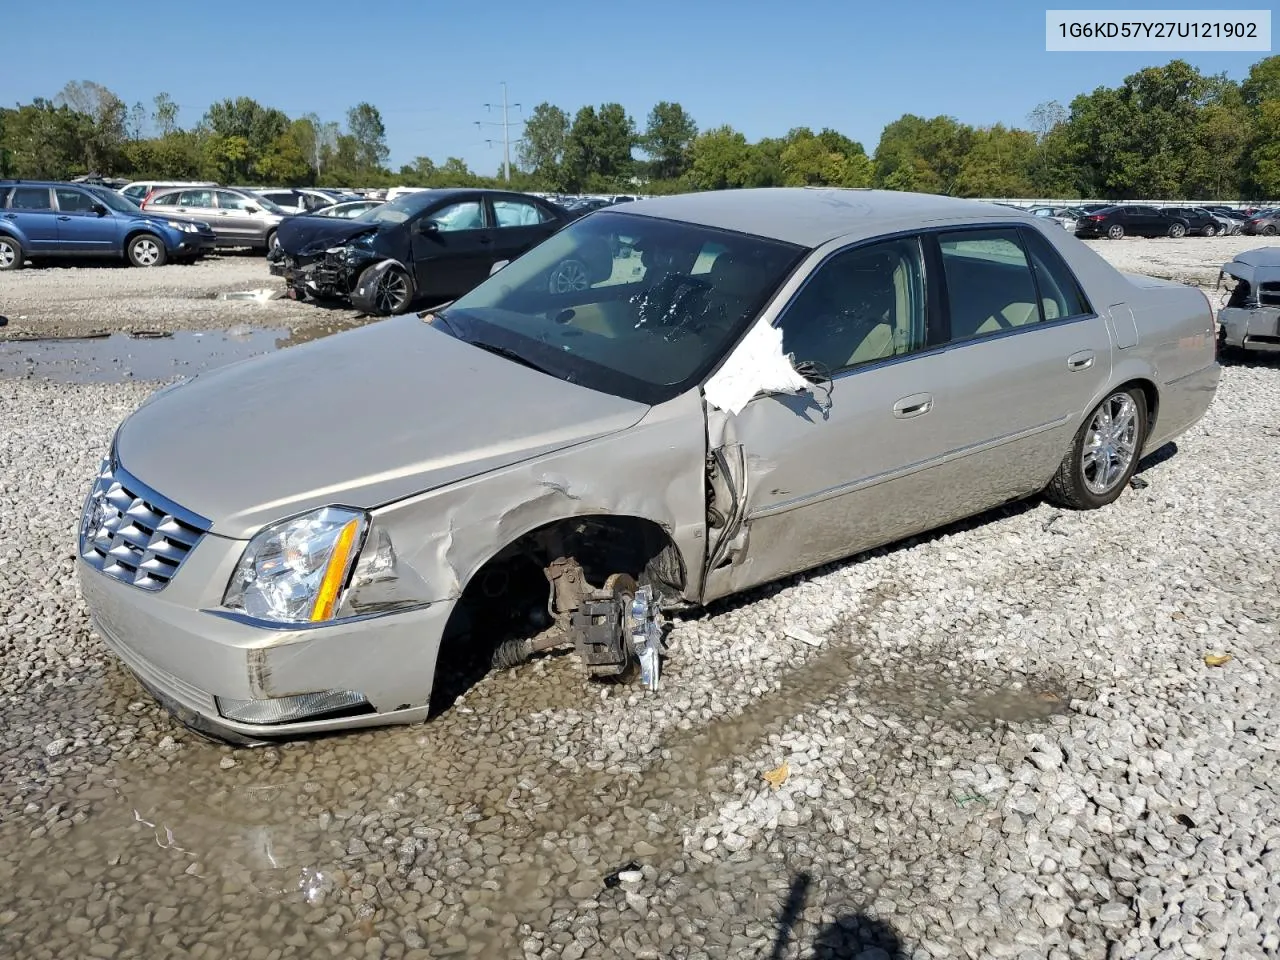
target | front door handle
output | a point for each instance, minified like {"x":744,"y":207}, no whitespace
{"x":913,"y":406}
{"x":1081,"y":361}
{"x":64,"y":218}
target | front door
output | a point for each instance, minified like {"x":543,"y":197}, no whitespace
{"x":80,"y":228}
{"x":199,"y":204}
{"x":452,"y":249}
{"x":831,"y":473}
{"x":235,"y":219}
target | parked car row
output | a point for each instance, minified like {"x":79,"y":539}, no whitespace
{"x":46,"y":220}
{"x":1146,"y":220}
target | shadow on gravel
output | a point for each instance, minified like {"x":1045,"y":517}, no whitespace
{"x":847,"y":937}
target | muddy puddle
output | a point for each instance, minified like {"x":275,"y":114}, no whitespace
{"x":148,"y":355}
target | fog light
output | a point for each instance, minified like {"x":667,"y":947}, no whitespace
{"x":304,"y":706}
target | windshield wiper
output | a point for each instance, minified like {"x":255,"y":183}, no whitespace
{"x":510,"y":355}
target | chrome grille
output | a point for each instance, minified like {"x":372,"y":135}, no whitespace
{"x":133,"y":534}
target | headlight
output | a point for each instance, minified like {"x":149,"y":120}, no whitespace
{"x":183,"y":225}
{"x":296,"y":571}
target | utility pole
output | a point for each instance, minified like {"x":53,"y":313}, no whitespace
{"x":506,"y":131}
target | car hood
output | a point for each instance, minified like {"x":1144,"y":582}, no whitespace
{"x":303,"y":235}
{"x":361,"y":419}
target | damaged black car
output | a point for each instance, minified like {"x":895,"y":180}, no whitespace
{"x":426,"y":247}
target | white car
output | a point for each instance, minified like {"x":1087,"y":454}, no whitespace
{"x":302,"y":199}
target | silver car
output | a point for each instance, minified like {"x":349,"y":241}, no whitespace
{"x":764,"y":381}
{"x":1250,"y":319}
{"x":238,"y":218}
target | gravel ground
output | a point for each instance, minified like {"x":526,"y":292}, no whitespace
{"x":62,"y":301}
{"x":1003,"y":740}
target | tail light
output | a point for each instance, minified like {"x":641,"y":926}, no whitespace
{"x":1096,"y":218}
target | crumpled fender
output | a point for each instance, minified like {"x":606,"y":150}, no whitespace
{"x":362,"y":297}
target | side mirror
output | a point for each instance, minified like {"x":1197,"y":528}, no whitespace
{"x":252,"y":209}
{"x":498,"y":266}
{"x":100,"y":209}
{"x":428,"y":226}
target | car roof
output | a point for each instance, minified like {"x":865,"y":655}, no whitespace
{"x":812,"y":216}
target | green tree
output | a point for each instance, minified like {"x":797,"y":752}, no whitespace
{"x":999,"y":163}
{"x":1263,"y":170}
{"x":828,"y":158}
{"x":668,"y":136}
{"x":284,"y":162}
{"x":365,"y":126}
{"x":597,"y":152}
{"x":922,"y":155}
{"x":104,"y":134}
{"x":164,"y":114}
{"x":720,"y":158}
{"x":43,"y":141}
{"x":542,"y":149}
{"x":1263,"y":82}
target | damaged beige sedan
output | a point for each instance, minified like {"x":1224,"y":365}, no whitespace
{"x":739,"y":386}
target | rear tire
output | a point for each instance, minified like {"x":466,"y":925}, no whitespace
{"x":1104,"y":453}
{"x":1115,"y":232}
{"x":12,"y":256}
{"x":146,"y":250}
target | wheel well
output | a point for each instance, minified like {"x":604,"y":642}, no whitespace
{"x":603,"y":544}
{"x":527,"y":589}
{"x":140,"y":231}
{"x":1151,"y":395}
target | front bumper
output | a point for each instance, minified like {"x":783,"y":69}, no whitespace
{"x":1251,"y":329}
{"x":189,"y":657}
{"x":330,"y":275}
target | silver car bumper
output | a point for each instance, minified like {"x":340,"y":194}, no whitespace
{"x":1251,"y":329}
{"x":191,"y":659}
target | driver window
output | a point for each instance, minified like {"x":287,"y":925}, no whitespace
{"x":232,"y":201}
{"x":73,"y":201}
{"x":458,"y":216}
{"x":863,"y":305}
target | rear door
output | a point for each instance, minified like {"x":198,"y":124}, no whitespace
{"x":81,"y":230}
{"x":1027,"y":356}
{"x":31,"y":211}
{"x":197,"y":203}
{"x":519,"y":223}
{"x":452,"y":246}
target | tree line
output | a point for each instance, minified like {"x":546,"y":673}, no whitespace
{"x":1166,"y":132}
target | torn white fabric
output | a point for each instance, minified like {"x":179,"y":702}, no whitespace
{"x":757,"y":365}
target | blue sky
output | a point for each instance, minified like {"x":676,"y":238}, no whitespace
{"x":431,"y":66}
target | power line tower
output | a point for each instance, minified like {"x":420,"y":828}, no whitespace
{"x":506,"y":125}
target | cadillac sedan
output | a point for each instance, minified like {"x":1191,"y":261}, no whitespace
{"x":762,"y":382}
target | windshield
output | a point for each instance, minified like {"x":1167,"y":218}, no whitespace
{"x":115,"y":201}
{"x":260,"y":201}
{"x":630,"y":305}
{"x":398,"y":210}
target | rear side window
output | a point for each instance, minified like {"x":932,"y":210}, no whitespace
{"x":1060,"y":293}
{"x":196,"y":198}
{"x":990,"y":288}
{"x":30,"y":198}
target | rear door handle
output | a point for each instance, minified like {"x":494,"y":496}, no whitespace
{"x":913,"y":406}
{"x":1081,"y":361}
{"x":64,"y":218}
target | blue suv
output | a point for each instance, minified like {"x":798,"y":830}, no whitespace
{"x":40,"y":219}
